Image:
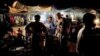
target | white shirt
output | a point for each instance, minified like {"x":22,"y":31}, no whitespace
{"x":79,"y":37}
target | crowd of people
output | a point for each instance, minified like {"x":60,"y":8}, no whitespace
{"x":62,"y":37}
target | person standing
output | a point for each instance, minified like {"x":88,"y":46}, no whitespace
{"x":38,"y":35}
{"x":85,"y":35}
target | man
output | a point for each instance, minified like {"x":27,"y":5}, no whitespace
{"x":85,"y":35}
{"x":38,"y":31}
{"x":50,"y":26}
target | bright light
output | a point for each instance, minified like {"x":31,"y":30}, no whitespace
{"x":93,"y":12}
{"x":97,"y":21}
{"x":63,"y":14}
{"x":33,"y":20}
{"x":43,"y":17}
{"x":44,"y":13}
{"x":72,"y":17}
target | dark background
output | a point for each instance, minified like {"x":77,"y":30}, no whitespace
{"x":59,"y":4}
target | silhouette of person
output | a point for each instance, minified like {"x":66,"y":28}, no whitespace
{"x":95,"y":47}
{"x":65,"y":37}
{"x":85,"y":35}
{"x":38,"y":31}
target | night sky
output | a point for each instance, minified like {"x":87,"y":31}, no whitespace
{"x":59,"y":4}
